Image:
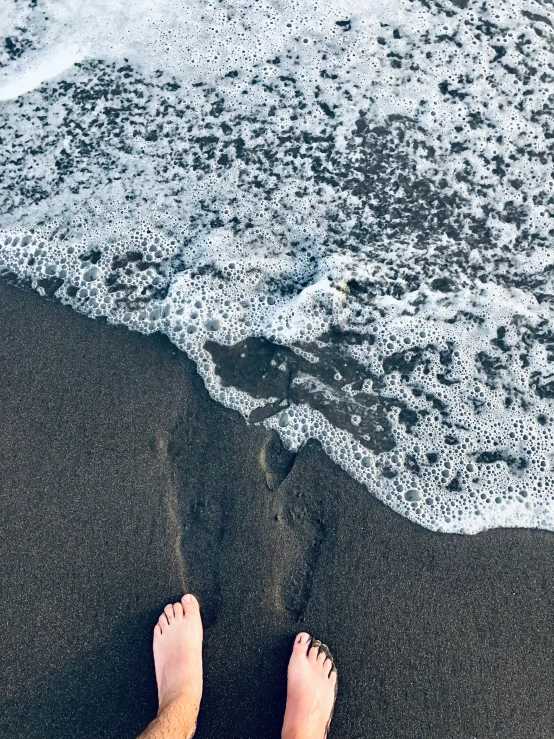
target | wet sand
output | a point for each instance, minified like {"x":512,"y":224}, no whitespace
{"x":122,"y":484}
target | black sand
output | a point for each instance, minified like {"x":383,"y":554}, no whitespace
{"x":122,"y":485}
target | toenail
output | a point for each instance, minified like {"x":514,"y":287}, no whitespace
{"x":188,"y":598}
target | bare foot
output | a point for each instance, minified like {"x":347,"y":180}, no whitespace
{"x":311,"y":690}
{"x":178,"y":660}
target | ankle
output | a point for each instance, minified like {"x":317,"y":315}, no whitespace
{"x":177,"y":717}
{"x":175,"y":703}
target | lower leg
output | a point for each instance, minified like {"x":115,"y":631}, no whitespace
{"x":178,"y":662}
{"x":175,"y":721}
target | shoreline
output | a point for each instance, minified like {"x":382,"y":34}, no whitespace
{"x":123,"y":484}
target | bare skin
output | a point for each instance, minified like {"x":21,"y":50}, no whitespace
{"x":178,"y":662}
{"x":311,"y":690}
{"x":311,"y":686}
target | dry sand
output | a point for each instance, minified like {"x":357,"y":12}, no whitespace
{"x":122,"y":485}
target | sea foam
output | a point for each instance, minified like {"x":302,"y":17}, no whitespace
{"x":342,"y":211}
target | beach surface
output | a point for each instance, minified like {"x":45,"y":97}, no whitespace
{"x":123,"y":485}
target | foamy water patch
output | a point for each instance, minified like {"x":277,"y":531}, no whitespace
{"x":341,"y":212}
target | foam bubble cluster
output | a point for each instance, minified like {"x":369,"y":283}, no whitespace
{"x":342,"y":211}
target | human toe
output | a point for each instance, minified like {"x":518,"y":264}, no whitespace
{"x":313,"y":652}
{"x":190,"y":604}
{"x":178,"y":611}
{"x":321,"y":657}
{"x":301,"y":642}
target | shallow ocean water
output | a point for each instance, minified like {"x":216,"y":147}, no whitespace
{"x":342,"y":211}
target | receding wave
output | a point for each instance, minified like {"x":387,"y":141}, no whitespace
{"x":342,"y":212}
